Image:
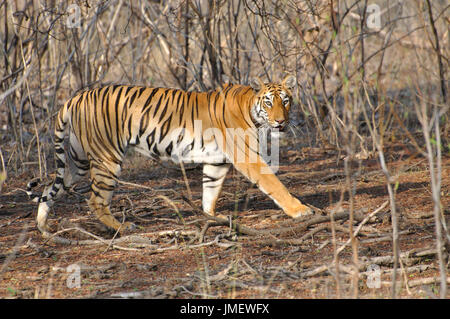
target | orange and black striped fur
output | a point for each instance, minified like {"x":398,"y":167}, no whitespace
{"x":167,"y":124}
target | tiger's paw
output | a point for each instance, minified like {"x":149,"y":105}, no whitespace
{"x":221,"y":216}
{"x":302,"y":211}
{"x":127,"y":227}
{"x":227,"y":217}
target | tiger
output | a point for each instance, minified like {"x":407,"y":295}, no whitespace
{"x":162,"y":123}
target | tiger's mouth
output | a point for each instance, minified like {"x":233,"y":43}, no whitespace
{"x":279,"y":126}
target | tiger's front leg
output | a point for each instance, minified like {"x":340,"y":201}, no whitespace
{"x":261,"y":174}
{"x":213,"y":177}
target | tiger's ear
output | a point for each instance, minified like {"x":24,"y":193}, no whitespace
{"x":289,"y":82}
{"x":256,"y":84}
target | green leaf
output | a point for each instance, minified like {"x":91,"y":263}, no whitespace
{"x":433,"y":141}
{"x":11,"y":291}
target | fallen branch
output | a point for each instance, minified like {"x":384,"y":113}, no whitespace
{"x":98,"y":240}
{"x":410,"y":258}
{"x":365,"y":220}
{"x":295,"y":228}
{"x":417,"y":282}
{"x":15,"y":218}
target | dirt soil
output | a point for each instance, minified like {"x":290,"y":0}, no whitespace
{"x":165,"y":259}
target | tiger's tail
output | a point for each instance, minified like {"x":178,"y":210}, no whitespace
{"x":60,"y":133}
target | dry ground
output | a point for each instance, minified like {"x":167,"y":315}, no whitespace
{"x":174,"y":264}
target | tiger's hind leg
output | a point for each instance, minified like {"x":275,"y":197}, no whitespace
{"x":103,"y":183}
{"x":77,"y":167}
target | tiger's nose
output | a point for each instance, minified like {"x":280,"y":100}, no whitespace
{"x":280,"y":122}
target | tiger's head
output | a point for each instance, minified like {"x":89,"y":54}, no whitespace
{"x":272,"y":103}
